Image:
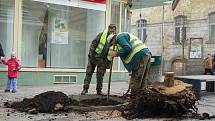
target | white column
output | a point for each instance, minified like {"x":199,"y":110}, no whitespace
{"x":17,"y":29}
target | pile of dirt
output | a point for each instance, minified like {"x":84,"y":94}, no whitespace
{"x":45,"y":102}
{"x":99,"y":102}
{"x":49,"y":102}
{"x":155,"y":101}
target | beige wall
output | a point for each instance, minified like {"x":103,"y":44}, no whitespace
{"x":194,"y":9}
{"x":197,"y":13}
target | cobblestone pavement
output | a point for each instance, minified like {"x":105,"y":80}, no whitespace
{"x":206,"y":104}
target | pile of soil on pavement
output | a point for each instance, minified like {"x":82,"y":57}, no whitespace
{"x":49,"y":102}
{"x":158,"y":101}
{"x":45,"y":102}
{"x":99,"y":102}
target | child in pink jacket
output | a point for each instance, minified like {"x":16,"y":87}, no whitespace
{"x":13,"y":70}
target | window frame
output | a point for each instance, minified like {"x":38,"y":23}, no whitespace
{"x":182,"y":28}
{"x":141,"y":25}
{"x":212,"y":14}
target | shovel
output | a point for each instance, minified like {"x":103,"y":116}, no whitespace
{"x":109,"y":81}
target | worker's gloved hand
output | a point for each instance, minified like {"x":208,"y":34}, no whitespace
{"x":108,"y":45}
{"x":115,"y":54}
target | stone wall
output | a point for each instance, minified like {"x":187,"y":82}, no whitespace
{"x":197,"y":12}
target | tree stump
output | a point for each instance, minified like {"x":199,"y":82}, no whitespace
{"x":158,"y":100}
{"x":169,"y":79}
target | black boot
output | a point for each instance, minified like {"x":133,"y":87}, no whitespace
{"x":85,"y":91}
{"x":99,"y":92}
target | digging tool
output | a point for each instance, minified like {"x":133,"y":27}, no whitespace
{"x":109,"y":81}
{"x":129,"y":88}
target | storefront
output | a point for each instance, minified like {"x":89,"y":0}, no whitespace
{"x":52,"y":37}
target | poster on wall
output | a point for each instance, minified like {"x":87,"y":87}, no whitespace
{"x":196,"y":48}
{"x":60,"y":32}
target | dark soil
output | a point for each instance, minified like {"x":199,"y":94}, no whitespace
{"x":48,"y":101}
{"x":99,"y":102}
{"x":148,"y":103}
{"x":44,"y":102}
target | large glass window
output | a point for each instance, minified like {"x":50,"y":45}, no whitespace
{"x":58,"y":36}
{"x":115,"y":13}
{"x":119,"y":16}
{"x":212,"y":27}
{"x":6,"y":25}
{"x":180,"y":28}
{"x":141,"y":29}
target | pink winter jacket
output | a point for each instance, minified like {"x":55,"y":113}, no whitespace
{"x":13,"y":67}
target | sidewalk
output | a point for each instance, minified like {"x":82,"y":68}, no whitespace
{"x":117,"y":88}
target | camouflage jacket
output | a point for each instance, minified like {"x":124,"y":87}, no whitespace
{"x":93,"y":56}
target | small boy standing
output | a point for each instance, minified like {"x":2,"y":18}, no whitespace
{"x":13,"y":70}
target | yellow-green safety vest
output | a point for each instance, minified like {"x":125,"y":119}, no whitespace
{"x":102,"y":42}
{"x":101,"y":45}
{"x":111,"y":49}
{"x":136,"y":44}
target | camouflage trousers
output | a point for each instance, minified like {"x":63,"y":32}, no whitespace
{"x":139,"y":76}
{"x":101,"y":69}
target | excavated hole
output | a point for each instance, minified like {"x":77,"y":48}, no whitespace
{"x":99,"y":102}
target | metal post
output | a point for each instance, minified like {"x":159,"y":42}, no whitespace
{"x":162,"y":38}
{"x":162,"y":43}
{"x":183,"y":46}
{"x":17,"y":30}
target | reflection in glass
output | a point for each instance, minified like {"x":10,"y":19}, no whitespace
{"x":58,"y":36}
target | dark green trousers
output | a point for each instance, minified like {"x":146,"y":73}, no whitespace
{"x":139,"y":76}
{"x":101,"y":69}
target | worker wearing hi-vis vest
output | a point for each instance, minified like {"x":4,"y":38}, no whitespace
{"x":135,"y":56}
{"x":99,"y":56}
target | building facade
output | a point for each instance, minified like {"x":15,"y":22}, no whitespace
{"x":187,"y":32}
{"x":52,"y":37}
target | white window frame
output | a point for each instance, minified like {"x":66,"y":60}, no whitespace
{"x":210,"y":24}
{"x":141,"y":26}
{"x":117,"y":61}
{"x":180,"y":26}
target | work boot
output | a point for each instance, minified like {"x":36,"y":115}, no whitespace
{"x":6,"y":90}
{"x":85,"y":91}
{"x":99,"y":92}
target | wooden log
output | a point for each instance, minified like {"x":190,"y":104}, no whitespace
{"x":169,"y":79}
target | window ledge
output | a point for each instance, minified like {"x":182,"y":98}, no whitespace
{"x":210,"y":42}
{"x":176,"y":43}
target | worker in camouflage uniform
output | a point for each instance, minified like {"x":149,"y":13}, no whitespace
{"x":135,"y":57}
{"x":99,"y":56}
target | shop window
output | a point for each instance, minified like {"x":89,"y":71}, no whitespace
{"x":6,"y":25}
{"x":57,"y":36}
{"x":115,"y":13}
{"x":212,"y":27}
{"x":180,"y":28}
{"x":141,"y":29}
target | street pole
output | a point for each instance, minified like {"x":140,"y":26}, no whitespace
{"x":162,"y":38}
{"x":162,"y":43}
{"x":183,"y":45}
